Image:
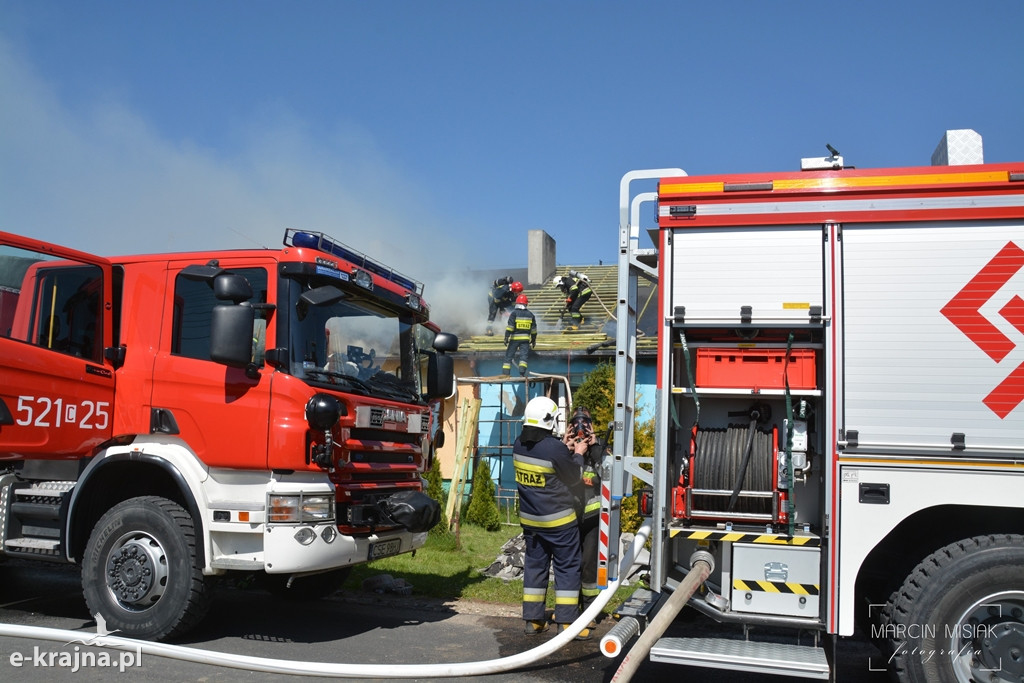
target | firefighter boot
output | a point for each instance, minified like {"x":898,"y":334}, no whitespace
{"x":535,"y":627}
{"x":583,"y":635}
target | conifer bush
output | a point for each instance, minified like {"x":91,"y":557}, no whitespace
{"x":483,"y":506}
{"x":435,"y":489}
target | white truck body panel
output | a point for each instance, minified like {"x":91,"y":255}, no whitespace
{"x":896,"y":280}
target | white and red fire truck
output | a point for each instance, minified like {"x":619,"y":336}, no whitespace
{"x":169,"y":418}
{"x":839,"y":415}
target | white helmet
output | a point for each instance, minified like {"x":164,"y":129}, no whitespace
{"x":540,"y":412}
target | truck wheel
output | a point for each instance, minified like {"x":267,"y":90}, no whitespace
{"x":959,"y":616}
{"x":139,"y":570}
{"x":310,"y":587}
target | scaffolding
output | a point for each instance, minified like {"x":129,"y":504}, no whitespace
{"x":498,"y":412}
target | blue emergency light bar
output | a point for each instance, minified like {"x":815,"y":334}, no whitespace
{"x":328,"y":245}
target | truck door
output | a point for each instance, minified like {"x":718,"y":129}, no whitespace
{"x":56,"y":319}
{"x":220,"y":412}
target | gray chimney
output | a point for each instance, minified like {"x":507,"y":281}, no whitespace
{"x":959,"y":148}
{"x":540,"y":257}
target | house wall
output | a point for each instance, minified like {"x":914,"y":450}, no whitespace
{"x":501,"y":405}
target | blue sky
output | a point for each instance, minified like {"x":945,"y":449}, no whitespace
{"x":436,"y":134}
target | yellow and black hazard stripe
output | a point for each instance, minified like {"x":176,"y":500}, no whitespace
{"x":775,"y":587}
{"x":741,"y":537}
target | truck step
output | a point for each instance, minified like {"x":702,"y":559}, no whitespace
{"x":45,"y":491}
{"x":800,"y":661}
{"x":33,"y":546}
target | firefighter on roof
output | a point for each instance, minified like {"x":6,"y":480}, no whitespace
{"x":548,"y":481}
{"x":520,"y":336}
{"x":576,"y":288}
{"x":500,"y":296}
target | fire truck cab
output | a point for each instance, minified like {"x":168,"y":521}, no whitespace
{"x":169,"y":418}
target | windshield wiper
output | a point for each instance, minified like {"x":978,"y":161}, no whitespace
{"x":332,"y":375}
{"x":394,"y":385}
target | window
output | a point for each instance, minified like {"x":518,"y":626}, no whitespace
{"x":51,"y":303}
{"x":193,"y":306}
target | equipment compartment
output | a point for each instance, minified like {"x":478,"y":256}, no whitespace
{"x":755,"y":368}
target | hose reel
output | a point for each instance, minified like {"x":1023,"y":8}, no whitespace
{"x":732,"y":471}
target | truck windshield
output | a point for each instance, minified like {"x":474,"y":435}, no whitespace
{"x":353,"y":344}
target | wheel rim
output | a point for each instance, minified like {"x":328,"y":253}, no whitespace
{"x":136,"y":571}
{"x":988,"y":642}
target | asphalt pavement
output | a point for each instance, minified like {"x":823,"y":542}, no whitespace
{"x":347,"y":628}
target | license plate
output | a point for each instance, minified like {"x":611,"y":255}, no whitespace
{"x":385,"y":548}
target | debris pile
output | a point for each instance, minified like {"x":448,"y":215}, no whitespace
{"x":508,"y":565}
{"x":385,"y":583}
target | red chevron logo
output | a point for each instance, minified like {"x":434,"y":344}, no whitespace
{"x":964,"y":311}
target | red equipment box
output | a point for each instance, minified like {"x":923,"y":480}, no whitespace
{"x":755,"y":368}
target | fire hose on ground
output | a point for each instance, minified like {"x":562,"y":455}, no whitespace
{"x":701,"y":566}
{"x":285,"y":666}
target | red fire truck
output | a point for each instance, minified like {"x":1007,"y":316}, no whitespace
{"x":169,"y":418}
{"x":839,"y":416}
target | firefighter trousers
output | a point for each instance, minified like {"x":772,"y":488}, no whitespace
{"x":559,"y":547}
{"x":575,"y":306}
{"x":588,"y":541}
{"x":516,"y":348}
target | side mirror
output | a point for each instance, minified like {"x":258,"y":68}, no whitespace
{"x":232,"y":287}
{"x":445,"y":342}
{"x":440,"y":376}
{"x":231,"y":335}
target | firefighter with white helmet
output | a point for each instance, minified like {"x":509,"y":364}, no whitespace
{"x":576,"y":289}
{"x":500,"y":296}
{"x":520,"y":336}
{"x":548,"y":479}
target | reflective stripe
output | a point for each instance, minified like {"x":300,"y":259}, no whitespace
{"x":548,"y":521}
{"x":566,"y":597}
{"x":590,"y":592}
{"x":532,"y":464}
{"x":814,"y":182}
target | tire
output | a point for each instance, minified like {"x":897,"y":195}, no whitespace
{"x":312,"y":587}
{"x":959,"y":616}
{"x":140,"y":573}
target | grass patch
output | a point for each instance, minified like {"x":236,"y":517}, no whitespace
{"x":441,"y":569}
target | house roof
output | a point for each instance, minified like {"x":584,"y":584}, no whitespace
{"x":548,"y":305}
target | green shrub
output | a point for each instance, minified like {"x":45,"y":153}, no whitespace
{"x":483,"y":506}
{"x":597,"y":394}
{"x":435,"y":489}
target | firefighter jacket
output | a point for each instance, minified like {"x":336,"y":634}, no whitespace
{"x":548,"y":477}
{"x":592,"y":481}
{"x":502,"y":296}
{"x":521,"y":327}
{"x":579,"y":289}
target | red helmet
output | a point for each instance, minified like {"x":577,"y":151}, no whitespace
{"x":521,"y":299}
{"x":516,"y":287}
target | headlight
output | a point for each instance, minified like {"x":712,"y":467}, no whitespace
{"x":295,"y":509}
